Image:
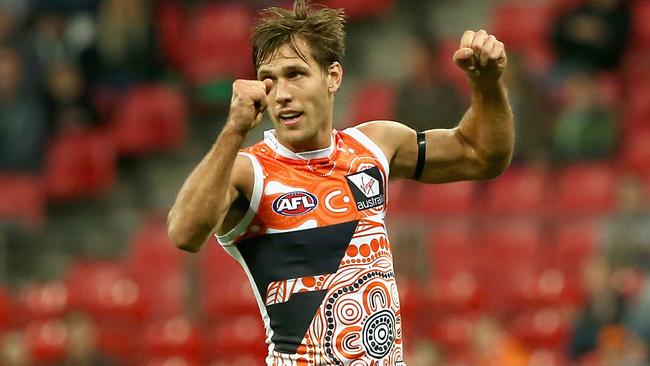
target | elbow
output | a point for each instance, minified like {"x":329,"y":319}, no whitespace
{"x":495,"y":165}
{"x":181,"y":237}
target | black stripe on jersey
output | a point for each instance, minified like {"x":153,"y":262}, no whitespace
{"x":283,"y":256}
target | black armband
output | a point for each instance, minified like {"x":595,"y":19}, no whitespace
{"x":422,"y":154}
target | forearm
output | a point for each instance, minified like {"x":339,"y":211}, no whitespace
{"x":488,"y":126}
{"x":202,"y":201}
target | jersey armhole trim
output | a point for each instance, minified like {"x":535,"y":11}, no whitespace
{"x":362,"y":138}
{"x":239,"y":229}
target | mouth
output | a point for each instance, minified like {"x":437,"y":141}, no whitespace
{"x":290,"y":118}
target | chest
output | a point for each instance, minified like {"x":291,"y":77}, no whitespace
{"x":321,"y":194}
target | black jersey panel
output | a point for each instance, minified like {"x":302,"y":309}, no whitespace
{"x":296,"y":254}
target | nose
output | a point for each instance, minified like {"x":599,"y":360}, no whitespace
{"x":282,"y":92}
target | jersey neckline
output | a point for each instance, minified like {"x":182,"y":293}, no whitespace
{"x":325,"y":154}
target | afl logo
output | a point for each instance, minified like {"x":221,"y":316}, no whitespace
{"x":295,"y":203}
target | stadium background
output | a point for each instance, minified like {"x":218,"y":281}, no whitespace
{"x":106,"y":106}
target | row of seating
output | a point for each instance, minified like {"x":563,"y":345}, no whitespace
{"x":581,"y":189}
{"x":191,"y":45}
{"x":517,"y":270}
{"x":83,"y":163}
{"x":204,"y":55}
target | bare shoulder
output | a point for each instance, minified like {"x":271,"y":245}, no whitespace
{"x":392,"y":138}
{"x":388,"y":135}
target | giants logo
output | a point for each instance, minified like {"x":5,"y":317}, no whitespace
{"x":295,"y":203}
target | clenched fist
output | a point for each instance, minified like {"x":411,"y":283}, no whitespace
{"x":481,"y":56}
{"x":248,"y":103}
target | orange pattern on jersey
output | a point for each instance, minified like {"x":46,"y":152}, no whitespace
{"x":358,"y":322}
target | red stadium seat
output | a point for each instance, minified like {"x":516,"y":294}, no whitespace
{"x":234,"y":336}
{"x":158,"y":267}
{"x":550,"y":286}
{"x":451,"y":248}
{"x":635,"y":153}
{"x":152,"y":118}
{"x":447,"y":199}
{"x":22,"y":198}
{"x":42,"y":301}
{"x":372,"y":100}
{"x":509,"y":255}
{"x":225,"y":289}
{"x":586,"y":189}
{"x":170,"y":26}
{"x":173,"y":361}
{"x":6,"y":308}
{"x":458,"y":293}
{"x":80,"y":164}
{"x":641,"y":24}
{"x":575,"y":241}
{"x":216,"y":43}
{"x":525,"y":27}
{"x":520,"y":190}
{"x":449,"y":70}
{"x":637,"y":114}
{"x":403,"y":197}
{"x":452,"y":332}
{"x":121,"y":341}
{"x":46,"y":341}
{"x":104,"y":290}
{"x":542,"y":328}
{"x":172,"y":337}
{"x":361,"y":9}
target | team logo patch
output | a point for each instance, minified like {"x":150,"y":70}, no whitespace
{"x":367,"y":188}
{"x":295,"y":203}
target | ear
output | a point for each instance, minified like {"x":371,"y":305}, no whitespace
{"x":334,"y":77}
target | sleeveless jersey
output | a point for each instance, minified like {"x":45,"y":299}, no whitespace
{"x":314,"y":246}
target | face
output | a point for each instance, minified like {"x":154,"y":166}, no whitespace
{"x":301,"y":101}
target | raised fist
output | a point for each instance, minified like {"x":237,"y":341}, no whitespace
{"x":481,"y":55}
{"x":248,"y":103}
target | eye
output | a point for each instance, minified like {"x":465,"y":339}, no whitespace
{"x":295,"y":74}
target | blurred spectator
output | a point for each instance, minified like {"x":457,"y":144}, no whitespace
{"x":14,"y":350}
{"x":82,"y":342}
{"x":7,"y":25}
{"x":22,"y":124}
{"x":533,"y":110}
{"x":618,"y":346}
{"x":425,"y":353}
{"x":46,"y":45}
{"x":637,"y":317}
{"x":68,"y":104}
{"x":605,"y":306}
{"x":591,"y":36}
{"x":491,"y":345}
{"x":585,"y":128}
{"x":628,"y":229}
{"x":425,"y":100}
{"x":125,"y":51}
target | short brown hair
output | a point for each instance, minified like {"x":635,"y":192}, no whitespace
{"x":322,"y":29}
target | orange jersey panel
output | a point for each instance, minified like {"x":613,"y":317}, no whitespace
{"x":315,"y":248}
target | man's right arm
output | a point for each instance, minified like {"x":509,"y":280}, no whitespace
{"x":221,"y":177}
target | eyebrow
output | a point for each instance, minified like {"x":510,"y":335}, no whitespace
{"x":283,"y":70}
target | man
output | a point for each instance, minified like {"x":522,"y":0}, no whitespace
{"x":303,"y":210}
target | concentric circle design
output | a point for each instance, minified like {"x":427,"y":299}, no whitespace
{"x":349,"y":311}
{"x":379,"y":333}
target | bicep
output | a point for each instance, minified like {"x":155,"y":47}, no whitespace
{"x":449,"y":157}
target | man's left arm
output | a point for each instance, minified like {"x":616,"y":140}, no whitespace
{"x":481,"y":146}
